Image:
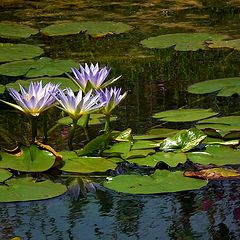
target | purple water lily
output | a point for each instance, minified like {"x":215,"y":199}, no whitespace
{"x":78,"y":105}
{"x":111,"y":98}
{"x":92,"y":77}
{"x":34,"y":100}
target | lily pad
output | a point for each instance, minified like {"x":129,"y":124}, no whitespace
{"x":233,"y":44}
{"x":16,"y":30}
{"x":94,"y":29}
{"x":27,"y":189}
{"x":182,"y":41}
{"x":145,"y":144}
{"x":217,"y":155}
{"x":225,"y":87}
{"x":162,"y":181}
{"x":184,"y":115}
{"x":73,"y":163}
{"x":13,"y":52}
{"x":36,"y":68}
{"x":118,"y":149}
{"x":2,"y":89}
{"x":138,"y":153}
{"x":184,"y":140}
{"x":4,"y":175}
{"x":28,"y":159}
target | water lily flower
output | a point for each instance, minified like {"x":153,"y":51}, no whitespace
{"x":76,"y":106}
{"x":111,"y":98}
{"x":92,"y":77}
{"x":36,"y":99}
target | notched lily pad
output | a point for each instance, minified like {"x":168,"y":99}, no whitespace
{"x":16,"y":30}
{"x":95,"y":29}
{"x":4,"y":175}
{"x":13,"y":52}
{"x":27,"y":189}
{"x":184,"y":115}
{"x":162,"y":181}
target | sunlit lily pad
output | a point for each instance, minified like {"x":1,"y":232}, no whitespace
{"x":28,"y":159}
{"x":184,"y":115}
{"x":217,"y":155}
{"x":183,"y":141}
{"x":36,"y":68}
{"x":117,"y":149}
{"x":225,"y":87}
{"x":145,"y":144}
{"x":217,"y":141}
{"x":73,"y":163}
{"x":16,"y":30}
{"x":124,"y":136}
{"x":27,"y":189}
{"x":162,"y":181}
{"x":13,"y":52}
{"x":94,"y":29}
{"x":4,"y":174}
{"x":182,"y":41}
{"x":234,"y":44}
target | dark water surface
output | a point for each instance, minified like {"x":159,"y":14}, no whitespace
{"x":156,"y":80}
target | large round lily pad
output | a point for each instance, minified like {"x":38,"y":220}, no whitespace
{"x":224,"y":87}
{"x":28,"y":159}
{"x":26,"y":189}
{"x":13,"y":52}
{"x":162,"y":181}
{"x":4,"y":174}
{"x":92,"y":28}
{"x":36,"y":68}
{"x":182,"y":41}
{"x":184,"y":115}
{"x":16,"y":30}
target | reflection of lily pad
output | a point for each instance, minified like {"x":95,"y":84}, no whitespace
{"x":15,"y":30}
{"x":224,"y":86}
{"x":217,"y":155}
{"x":184,"y":115}
{"x":4,"y":174}
{"x":13,"y":52}
{"x":182,"y":41}
{"x":92,"y":28}
{"x":26,"y":189}
{"x":36,"y":68}
{"x":162,"y":181}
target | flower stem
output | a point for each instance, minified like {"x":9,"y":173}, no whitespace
{"x":34,"y":128}
{"x":45,"y":132}
{"x":107,"y":123}
{"x":85,"y":126}
{"x":71,"y":134}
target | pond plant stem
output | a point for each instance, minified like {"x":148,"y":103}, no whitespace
{"x":71,"y":134}
{"x":85,"y":126}
{"x":45,"y":132}
{"x":107,"y":123}
{"x":34,"y":128}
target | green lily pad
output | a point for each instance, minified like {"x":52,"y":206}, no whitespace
{"x":65,"y":82}
{"x":233,"y":44}
{"x":145,"y":144}
{"x":16,"y":30}
{"x":217,"y":155}
{"x":13,"y":52}
{"x":216,"y":141}
{"x":171,"y":159}
{"x":138,"y":153}
{"x":124,"y":136}
{"x":94,"y":29}
{"x":184,"y":140}
{"x":184,"y":115}
{"x":28,"y":159}
{"x":36,"y":68}
{"x":73,"y":163}
{"x":182,"y":41}
{"x":117,"y":149}
{"x":225,"y":87}
{"x":4,"y":175}
{"x":162,"y":181}
{"x":2,"y":89}
{"x":26,"y":189}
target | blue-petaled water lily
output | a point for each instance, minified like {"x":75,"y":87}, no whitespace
{"x":92,"y":77}
{"x":76,"y":106}
{"x":35,"y":99}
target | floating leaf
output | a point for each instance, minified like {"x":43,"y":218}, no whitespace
{"x":138,"y":153}
{"x":16,"y":30}
{"x":184,"y":115}
{"x":73,"y":163}
{"x":13,"y":52}
{"x":92,"y":28}
{"x":145,"y":144}
{"x":216,"y":141}
{"x":184,"y":140}
{"x":225,"y":87}
{"x":217,"y":155}
{"x":117,"y":149}
{"x":36,"y":68}
{"x":182,"y":41}
{"x":28,"y":159}
{"x":124,"y":136}
{"x":213,"y":174}
{"x":235,"y":44}
{"x":26,"y":189}
{"x":162,"y":181}
{"x":4,"y":175}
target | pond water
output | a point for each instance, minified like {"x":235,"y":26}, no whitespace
{"x":156,"y":80}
